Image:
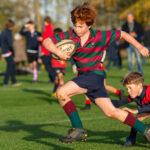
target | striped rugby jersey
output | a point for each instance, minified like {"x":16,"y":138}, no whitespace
{"x":88,"y":56}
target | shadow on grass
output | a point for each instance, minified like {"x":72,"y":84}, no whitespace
{"x":31,"y":81}
{"x":36,"y":91}
{"x":48,"y":98}
{"x":37,"y":134}
{"x":114,"y":137}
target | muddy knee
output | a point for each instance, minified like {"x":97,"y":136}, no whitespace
{"x":61,"y":95}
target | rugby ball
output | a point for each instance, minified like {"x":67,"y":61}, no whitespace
{"x":67,"y":46}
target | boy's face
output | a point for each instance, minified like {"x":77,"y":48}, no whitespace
{"x":134,"y":90}
{"x":81,"y":28}
{"x":31,"y":26}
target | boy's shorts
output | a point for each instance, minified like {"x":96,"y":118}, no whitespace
{"x":94,"y":83}
{"x":32,"y":57}
{"x":105,"y":75}
{"x":60,"y":70}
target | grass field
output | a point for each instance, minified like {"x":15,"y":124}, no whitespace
{"x":31,"y":120}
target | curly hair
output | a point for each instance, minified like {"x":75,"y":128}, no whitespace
{"x":84,"y":13}
{"x":133,"y":78}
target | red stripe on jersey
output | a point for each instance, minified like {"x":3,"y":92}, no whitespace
{"x":85,"y":69}
{"x":118,"y":34}
{"x":62,"y":35}
{"x":86,"y":60}
{"x":54,"y":39}
{"x":108,"y":34}
{"x":90,"y":50}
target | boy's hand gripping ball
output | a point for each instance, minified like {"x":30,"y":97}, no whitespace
{"x":67,"y":46}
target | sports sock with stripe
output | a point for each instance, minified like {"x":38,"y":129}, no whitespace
{"x":135,"y":123}
{"x":73,"y":115}
{"x":88,"y":101}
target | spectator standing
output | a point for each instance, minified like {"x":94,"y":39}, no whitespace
{"x":112,"y":53}
{"x":32,"y":46}
{"x":8,"y":54}
{"x":136,"y":31}
{"x":46,"y":55}
{"x":19,"y":50}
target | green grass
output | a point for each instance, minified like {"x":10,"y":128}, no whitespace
{"x":31,"y":120}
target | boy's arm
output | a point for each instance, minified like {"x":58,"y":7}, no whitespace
{"x":144,"y":109}
{"x":141,"y":49}
{"x":118,"y":103}
{"x":22,"y":32}
{"x":50,"y":46}
{"x":132,"y":111}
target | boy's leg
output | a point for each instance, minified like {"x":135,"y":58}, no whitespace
{"x":143,"y":116}
{"x":131,"y":139}
{"x":123,"y":116}
{"x":56,"y":85}
{"x":61,"y":78}
{"x":63,"y":94}
{"x":87,"y":104}
{"x":35,"y":71}
{"x":119,"y":93}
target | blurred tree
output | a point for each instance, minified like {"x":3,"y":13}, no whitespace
{"x":38,"y":17}
{"x":17,"y":10}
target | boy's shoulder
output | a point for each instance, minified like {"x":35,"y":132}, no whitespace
{"x":147,"y":88}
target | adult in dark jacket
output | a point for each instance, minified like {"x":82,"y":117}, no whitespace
{"x":32,"y":46}
{"x":136,"y":31}
{"x":8,"y":53}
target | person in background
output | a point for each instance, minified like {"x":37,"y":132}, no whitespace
{"x":19,"y":50}
{"x":138,"y":93}
{"x":146,"y":41}
{"x":8,"y":54}
{"x":59,"y":66}
{"x":32,"y":46}
{"x":112,"y":53}
{"x":136,"y":31}
{"x":45,"y":54}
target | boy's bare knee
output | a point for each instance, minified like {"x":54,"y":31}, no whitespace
{"x":60,"y":95}
{"x":112,"y":113}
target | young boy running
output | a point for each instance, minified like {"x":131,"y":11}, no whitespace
{"x":138,"y":93}
{"x":90,"y":45}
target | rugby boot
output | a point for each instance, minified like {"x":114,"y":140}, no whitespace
{"x":74,"y":134}
{"x":129,"y":142}
{"x":147,"y":133}
{"x":53,"y":95}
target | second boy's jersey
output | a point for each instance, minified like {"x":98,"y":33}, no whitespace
{"x":143,"y":101}
{"x":88,"y":56}
{"x":58,"y":63}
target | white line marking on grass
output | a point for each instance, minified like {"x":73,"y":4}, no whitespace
{"x":49,"y":123}
{"x":16,"y":88}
